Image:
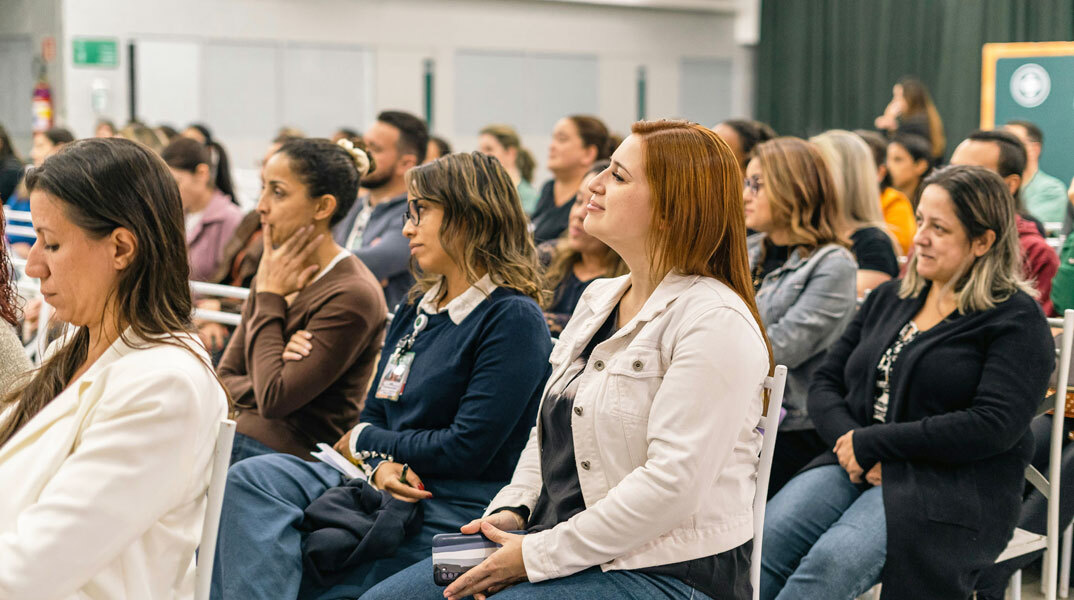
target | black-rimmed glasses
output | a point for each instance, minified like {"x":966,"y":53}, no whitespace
{"x":414,"y":210}
{"x":752,"y":184}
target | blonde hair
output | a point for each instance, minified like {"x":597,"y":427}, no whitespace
{"x":801,"y":193}
{"x":982,"y":203}
{"x":483,"y":227}
{"x":853,"y":170}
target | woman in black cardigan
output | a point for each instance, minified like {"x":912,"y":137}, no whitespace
{"x":926,"y":400}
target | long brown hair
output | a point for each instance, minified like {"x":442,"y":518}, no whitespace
{"x":918,"y":101}
{"x":564,"y":257}
{"x":801,"y":192}
{"x":484,"y":226}
{"x":696,"y":193}
{"x":104,"y":184}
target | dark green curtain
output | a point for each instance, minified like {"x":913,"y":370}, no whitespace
{"x":823,"y":64}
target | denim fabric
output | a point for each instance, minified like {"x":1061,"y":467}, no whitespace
{"x":259,"y":552}
{"x":416,"y":583}
{"x":246,"y":447}
{"x":824,"y":537}
{"x":805,"y":306}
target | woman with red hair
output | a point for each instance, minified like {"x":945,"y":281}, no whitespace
{"x":639,"y":478}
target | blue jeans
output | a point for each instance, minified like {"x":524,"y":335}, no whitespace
{"x":259,"y":551}
{"x":416,"y":583}
{"x":824,"y":537}
{"x":246,"y":447}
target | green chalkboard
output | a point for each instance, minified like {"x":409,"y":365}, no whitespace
{"x":1040,"y":89}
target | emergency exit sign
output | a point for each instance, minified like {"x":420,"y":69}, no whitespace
{"x":95,"y":53}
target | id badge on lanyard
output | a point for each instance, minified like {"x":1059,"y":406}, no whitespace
{"x":393,"y":379}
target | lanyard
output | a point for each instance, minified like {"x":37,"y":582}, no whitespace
{"x":407,"y":341}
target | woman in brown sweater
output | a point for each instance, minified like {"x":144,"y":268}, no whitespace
{"x":311,"y":297}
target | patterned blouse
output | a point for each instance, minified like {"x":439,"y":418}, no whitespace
{"x":885,"y":367}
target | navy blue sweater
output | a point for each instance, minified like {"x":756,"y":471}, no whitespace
{"x":472,"y":394}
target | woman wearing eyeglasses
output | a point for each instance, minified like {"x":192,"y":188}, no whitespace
{"x":450,"y":407}
{"x":804,"y":276}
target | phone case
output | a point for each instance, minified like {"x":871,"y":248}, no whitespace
{"x":457,"y":553}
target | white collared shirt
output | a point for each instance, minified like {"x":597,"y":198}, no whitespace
{"x":460,"y":307}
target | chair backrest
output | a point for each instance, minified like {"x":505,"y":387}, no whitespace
{"x":769,"y":426}
{"x":203,"y":575}
{"x":1055,"y":452}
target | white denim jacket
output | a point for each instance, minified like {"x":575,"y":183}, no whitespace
{"x":664,"y":431}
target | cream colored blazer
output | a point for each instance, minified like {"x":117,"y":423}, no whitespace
{"x":102,"y":492}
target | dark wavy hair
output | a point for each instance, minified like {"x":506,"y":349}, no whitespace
{"x":327,"y":168}
{"x":104,"y":184}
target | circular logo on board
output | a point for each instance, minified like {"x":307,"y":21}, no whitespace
{"x":1030,"y":85}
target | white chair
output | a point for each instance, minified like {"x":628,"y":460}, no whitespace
{"x":1024,"y":542}
{"x":770,"y":426}
{"x":203,"y":574}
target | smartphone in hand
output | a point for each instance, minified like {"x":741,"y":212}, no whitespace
{"x":457,"y":553}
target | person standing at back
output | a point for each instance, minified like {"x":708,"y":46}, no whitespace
{"x":578,"y":141}
{"x":1044,"y":196}
{"x":373,"y":229}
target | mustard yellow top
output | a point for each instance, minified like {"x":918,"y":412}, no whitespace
{"x":899,"y":215}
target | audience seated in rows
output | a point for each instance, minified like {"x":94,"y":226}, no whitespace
{"x":1002,"y":153}
{"x":652,"y":406}
{"x":851,"y":166}
{"x":503,"y":142}
{"x":396,"y":142}
{"x":105,"y":453}
{"x":578,"y":141}
{"x":454,"y":397}
{"x":927,"y":398}
{"x":804,"y":275}
{"x":575,"y":260}
{"x":211,"y":217}
{"x":897,"y":209}
{"x":300,"y":360}
{"x":46,"y":143}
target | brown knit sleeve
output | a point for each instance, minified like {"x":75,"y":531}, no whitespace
{"x":341,"y":328}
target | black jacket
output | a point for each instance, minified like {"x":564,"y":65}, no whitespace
{"x":957,"y":440}
{"x":352,"y":524}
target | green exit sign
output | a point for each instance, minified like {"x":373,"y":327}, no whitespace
{"x":96,"y":53}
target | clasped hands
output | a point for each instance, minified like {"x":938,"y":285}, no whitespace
{"x":844,"y":451}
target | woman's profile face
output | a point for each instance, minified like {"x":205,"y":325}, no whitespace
{"x":77,"y":273}
{"x":284,"y":203}
{"x":618,"y":210}
{"x":577,"y":238}
{"x":567,"y":150}
{"x":755,"y":205}
{"x":941,"y":246}
{"x":901,"y":166}
{"x":42,"y":149}
{"x":488,"y":144}
{"x":425,"y":245}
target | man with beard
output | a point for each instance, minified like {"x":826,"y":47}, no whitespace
{"x":373,"y":230}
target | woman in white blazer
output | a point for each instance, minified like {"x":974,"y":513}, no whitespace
{"x":105,"y":453}
{"x":639,"y":478}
